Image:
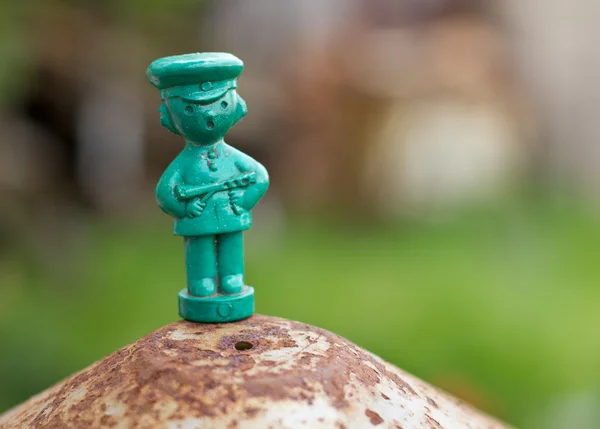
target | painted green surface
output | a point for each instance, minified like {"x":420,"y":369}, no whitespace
{"x":216,"y":309}
{"x":210,"y":188}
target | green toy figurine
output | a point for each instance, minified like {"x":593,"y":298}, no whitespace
{"x":210,"y":187}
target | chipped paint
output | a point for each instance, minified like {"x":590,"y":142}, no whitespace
{"x":293,"y":375}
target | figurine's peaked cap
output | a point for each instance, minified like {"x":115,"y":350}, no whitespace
{"x":189,"y":69}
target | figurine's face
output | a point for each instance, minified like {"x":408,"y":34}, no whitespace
{"x":203,"y":124}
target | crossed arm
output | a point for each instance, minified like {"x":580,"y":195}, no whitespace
{"x":165,"y":190}
{"x":247,"y":198}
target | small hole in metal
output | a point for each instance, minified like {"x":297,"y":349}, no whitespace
{"x":243,"y":345}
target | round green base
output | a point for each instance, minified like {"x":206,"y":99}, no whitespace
{"x":217,"y":308}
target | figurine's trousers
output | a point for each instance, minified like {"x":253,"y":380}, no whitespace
{"x":214,"y":256}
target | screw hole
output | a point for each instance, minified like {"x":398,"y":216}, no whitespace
{"x":243,"y":345}
{"x":210,"y":125}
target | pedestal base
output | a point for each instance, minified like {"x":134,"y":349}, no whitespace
{"x":217,"y":308}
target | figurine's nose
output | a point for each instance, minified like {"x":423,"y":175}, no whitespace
{"x":164,"y":117}
{"x":209,"y":119}
{"x":241,"y":107}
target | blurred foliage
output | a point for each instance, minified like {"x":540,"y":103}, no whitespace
{"x":14,"y":49}
{"x":151,"y":18}
{"x":498,"y":307}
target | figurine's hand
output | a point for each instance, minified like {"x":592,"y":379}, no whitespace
{"x":236,"y":198}
{"x":195,"y":208}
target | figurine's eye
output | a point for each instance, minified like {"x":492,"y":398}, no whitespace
{"x":189,"y":110}
{"x":210,"y":125}
{"x":224,"y":105}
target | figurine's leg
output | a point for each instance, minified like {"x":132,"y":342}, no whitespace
{"x":231,"y":262}
{"x":201,"y":265}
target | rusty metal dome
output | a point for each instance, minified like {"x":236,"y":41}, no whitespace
{"x":263,"y":372}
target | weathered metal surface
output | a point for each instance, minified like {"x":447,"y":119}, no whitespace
{"x":263,"y":372}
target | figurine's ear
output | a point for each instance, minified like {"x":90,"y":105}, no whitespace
{"x":165,"y":119}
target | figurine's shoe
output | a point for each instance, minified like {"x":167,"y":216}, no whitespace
{"x":203,"y":287}
{"x":231,"y":285}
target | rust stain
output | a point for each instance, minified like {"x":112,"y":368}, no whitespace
{"x":108,"y":421}
{"x":401,"y":384}
{"x":432,"y":402}
{"x":252,"y":411}
{"x":433,"y":423}
{"x":373,"y":417}
{"x":194,"y":371}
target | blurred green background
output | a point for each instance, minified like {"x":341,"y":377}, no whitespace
{"x":434,"y":187}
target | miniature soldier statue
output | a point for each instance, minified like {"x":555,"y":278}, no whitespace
{"x":210,"y":187}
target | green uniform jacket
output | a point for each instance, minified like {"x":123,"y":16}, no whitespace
{"x":197,"y":165}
